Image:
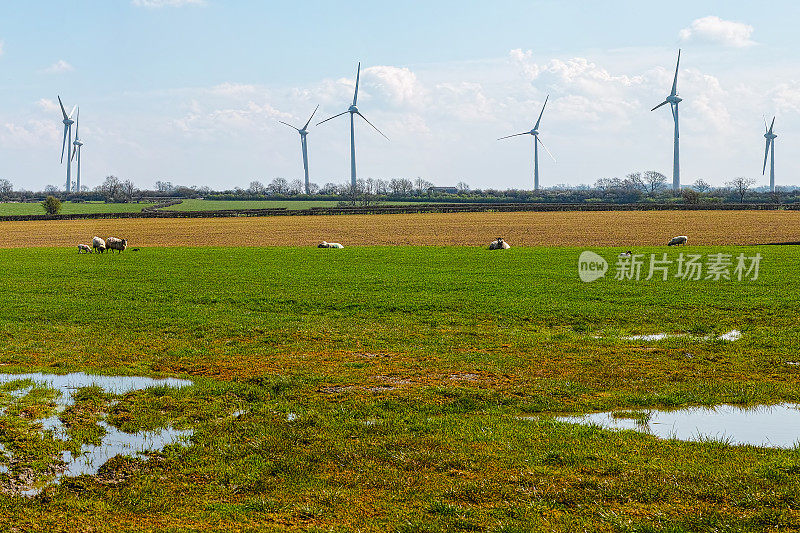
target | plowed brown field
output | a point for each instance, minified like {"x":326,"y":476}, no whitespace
{"x":572,"y":228}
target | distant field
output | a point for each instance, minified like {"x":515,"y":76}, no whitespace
{"x":70,"y":208}
{"x":630,"y":229}
{"x":220,"y":205}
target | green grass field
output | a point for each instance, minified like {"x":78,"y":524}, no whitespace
{"x":408,"y":372}
{"x":219,"y":205}
{"x":70,"y":208}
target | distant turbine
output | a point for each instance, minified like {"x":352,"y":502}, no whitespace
{"x":303,"y":144}
{"x":76,"y":151}
{"x":68,"y":122}
{"x":353,"y":110}
{"x":770,"y":150}
{"x":536,"y":142}
{"x":673,"y":100}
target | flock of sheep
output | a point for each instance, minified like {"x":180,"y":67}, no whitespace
{"x":99,"y":245}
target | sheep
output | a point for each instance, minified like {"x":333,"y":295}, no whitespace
{"x":325,"y":244}
{"x":626,"y":254}
{"x":499,"y":244}
{"x":98,"y":245}
{"x":84,"y":249}
{"x":678,"y":240}
{"x":112,"y":243}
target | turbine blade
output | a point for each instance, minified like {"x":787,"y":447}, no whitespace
{"x":772,"y":125}
{"x":73,"y":111}
{"x":78,"y":124}
{"x":659,"y":105}
{"x":282,"y":122}
{"x":546,"y":150}
{"x":515,"y":135}
{"x":312,"y":116}
{"x":675,"y":81}
{"x":766,"y":128}
{"x":74,"y":151}
{"x":63,"y":111}
{"x":64,"y":142}
{"x":536,"y":127}
{"x":333,"y":117}
{"x":766,"y":153}
{"x":373,"y":125}
{"x":358,"y":75}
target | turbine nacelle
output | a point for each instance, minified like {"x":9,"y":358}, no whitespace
{"x":769,"y":136}
{"x":352,"y":109}
{"x":68,"y":122}
{"x":674,"y":99}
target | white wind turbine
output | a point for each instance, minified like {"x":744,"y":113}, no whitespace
{"x":770,"y":150}
{"x":673,"y":100}
{"x":76,"y":151}
{"x":353,"y":110}
{"x":536,"y":142}
{"x":303,"y":144}
{"x":68,"y":122}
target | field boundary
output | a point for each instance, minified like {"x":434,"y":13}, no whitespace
{"x":408,"y":209}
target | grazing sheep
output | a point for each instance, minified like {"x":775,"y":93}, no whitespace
{"x":499,"y":244}
{"x":98,"y":245}
{"x":325,"y":244}
{"x":678,"y":240}
{"x":626,"y":254}
{"x":112,"y":243}
{"x":84,"y":249}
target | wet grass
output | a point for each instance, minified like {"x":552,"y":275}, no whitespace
{"x":409,"y":372}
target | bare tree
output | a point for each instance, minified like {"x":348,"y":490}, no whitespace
{"x":654,"y":181}
{"x":128,"y":190}
{"x":636,"y":181}
{"x":740,"y":186}
{"x":110,"y":188}
{"x":313,"y":188}
{"x":164,"y":186}
{"x":279,"y":186}
{"x":296,"y":186}
{"x":701,"y":186}
{"x":51,"y":189}
{"x":6,"y":187}
{"x":256,"y":187}
{"x":462,"y":187}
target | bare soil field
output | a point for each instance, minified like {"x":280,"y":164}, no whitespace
{"x":603,"y":228}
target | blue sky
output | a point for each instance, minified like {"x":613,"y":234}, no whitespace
{"x":191,"y":91}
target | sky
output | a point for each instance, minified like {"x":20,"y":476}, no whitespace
{"x":191,"y":91}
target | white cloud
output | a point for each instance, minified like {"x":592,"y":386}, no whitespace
{"x":400,"y":85}
{"x":1,"y":47}
{"x":48,"y":105}
{"x":59,"y":67}
{"x":716,"y":30}
{"x":156,"y":4}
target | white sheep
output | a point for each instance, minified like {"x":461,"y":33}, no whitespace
{"x":98,"y":245}
{"x":325,"y":244}
{"x":84,"y":249}
{"x":678,"y":240}
{"x":499,"y":244}
{"x":112,"y":243}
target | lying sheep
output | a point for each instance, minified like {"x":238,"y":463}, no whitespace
{"x":98,"y":245}
{"x":84,"y":249}
{"x":112,"y":243}
{"x":325,"y":244}
{"x":499,"y":244}
{"x":678,"y":240}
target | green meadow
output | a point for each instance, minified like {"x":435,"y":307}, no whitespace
{"x":196,"y":204}
{"x":395,"y":389}
{"x":71,"y":208}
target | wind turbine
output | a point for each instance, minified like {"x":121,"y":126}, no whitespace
{"x":353,"y":110}
{"x":68,"y":122}
{"x":303,"y":144}
{"x":770,"y":150}
{"x":673,"y":100}
{"x":76,"y":151}
{"x":536,"y":142}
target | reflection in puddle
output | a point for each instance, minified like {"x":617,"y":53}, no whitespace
{"x":114,"y":441}
{"x":776,"y":426}
{"x":730,"y":336}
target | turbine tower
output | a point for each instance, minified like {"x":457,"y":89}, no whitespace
{"x":673,"y":100}
{"x":536,"y":142}
{"x":770,"y":150}
{"x":353,"y":110}
{"x":76,"y":151}
{"x":68,"y":122}
{"x":303,"y":144}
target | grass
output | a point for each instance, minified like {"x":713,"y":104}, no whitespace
{"x":217,"y":205}
{"x":71,"y":208}
{"x":410,"y":372}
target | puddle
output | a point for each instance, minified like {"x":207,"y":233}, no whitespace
{"x":776,"y":426}
{"x":730,"y":336}
{"x":91,"y":457}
